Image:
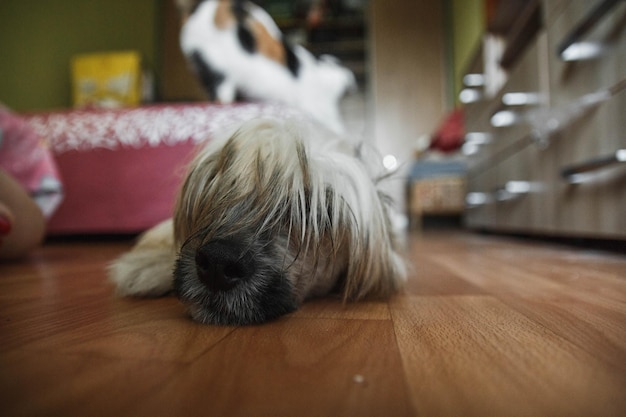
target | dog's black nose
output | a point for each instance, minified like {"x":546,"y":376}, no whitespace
{"x":222,"y":264}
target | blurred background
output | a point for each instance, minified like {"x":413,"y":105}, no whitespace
{"x":486,"y":114}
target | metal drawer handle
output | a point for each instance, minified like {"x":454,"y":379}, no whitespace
{"x":515,"y":189}
{"x":578,"y":172}
{"x":571,"y":48}
{"x":478,"y":199}
{"x":473,"y":142}
{"x":521,"y":99}
{"x":505,"y":118}
{"x":510,"y":191}
{"x":521,"y":187}
{"x":546,"y":121}
{"x":474,"y":80}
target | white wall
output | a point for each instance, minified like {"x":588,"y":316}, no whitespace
{"x":407,"y":96}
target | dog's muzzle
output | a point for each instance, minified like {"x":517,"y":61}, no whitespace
{"x":223,"y":264}
{"x":233,"y":281}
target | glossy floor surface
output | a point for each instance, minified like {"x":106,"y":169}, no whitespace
{"x":487,"y":326}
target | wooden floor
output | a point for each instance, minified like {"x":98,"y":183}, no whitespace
{"x":488,"y":326}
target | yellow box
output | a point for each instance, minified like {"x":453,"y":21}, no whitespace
{"x":110,"y":79}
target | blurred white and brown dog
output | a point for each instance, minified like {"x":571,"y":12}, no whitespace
{"x":269,"y":216}
{"x":235,"y":48}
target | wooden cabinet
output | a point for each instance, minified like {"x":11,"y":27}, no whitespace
{"x":555,"y":162}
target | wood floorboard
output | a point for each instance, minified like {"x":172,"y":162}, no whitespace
{"x":475,"y":356}
{"x":487,"y":326}
{"x":266,"y":367}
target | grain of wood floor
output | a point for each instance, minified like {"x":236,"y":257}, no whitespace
{"x":488,"y":326}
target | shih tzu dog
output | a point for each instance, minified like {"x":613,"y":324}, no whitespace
{"x":267,"y":217}
{"x":235,"y":48}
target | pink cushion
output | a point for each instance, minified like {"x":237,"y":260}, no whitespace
{"x":121,"y":168}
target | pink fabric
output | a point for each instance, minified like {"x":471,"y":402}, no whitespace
{"x":122,"y":191}
{"x":25,"y":156}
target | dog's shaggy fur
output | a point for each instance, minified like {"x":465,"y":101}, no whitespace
{"x":266,"y":218}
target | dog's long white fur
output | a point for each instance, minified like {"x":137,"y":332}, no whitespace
{"x":147,"y":269}
{"x":311,"y":190}
{"x":309,"y":166}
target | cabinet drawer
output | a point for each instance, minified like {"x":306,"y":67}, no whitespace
{"x":599,"y":131}
{"x":480,"y":203}
{"x":602,"y":69}
{"x":513,"y":191}
{"x":594,"y":203}
{"x":524,"y":194}
{"x":524,"y":93}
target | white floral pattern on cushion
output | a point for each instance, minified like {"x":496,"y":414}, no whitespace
{"x":83,"y":130}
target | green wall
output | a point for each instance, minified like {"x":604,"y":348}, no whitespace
{"x":467,"y":25}
{"x":38,"y":38}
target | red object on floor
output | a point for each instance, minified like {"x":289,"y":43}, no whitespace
{"x":450,"y":136}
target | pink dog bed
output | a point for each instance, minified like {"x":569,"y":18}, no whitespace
{"x":121,"y":169}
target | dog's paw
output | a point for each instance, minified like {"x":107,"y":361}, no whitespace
{"x":145,"y":273}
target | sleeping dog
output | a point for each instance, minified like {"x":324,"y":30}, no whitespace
{"x":235,"y":47}
{"x":275,"y":213}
